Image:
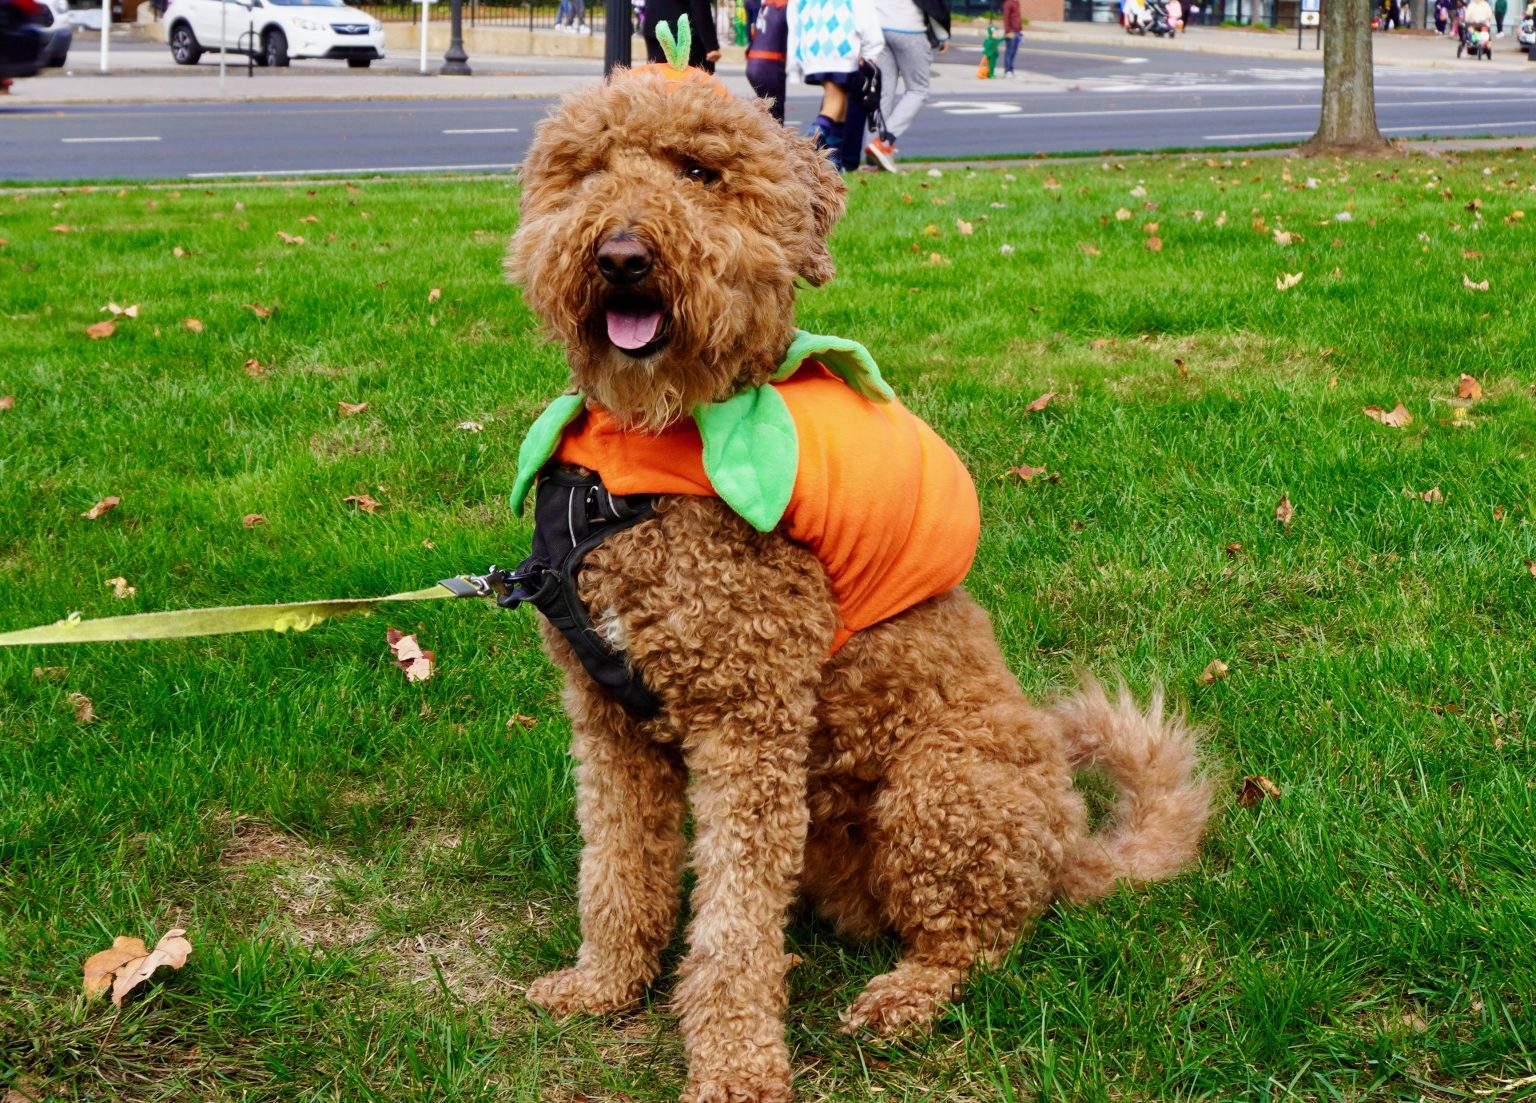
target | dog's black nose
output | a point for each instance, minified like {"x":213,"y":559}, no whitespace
{"x":623,"y":260}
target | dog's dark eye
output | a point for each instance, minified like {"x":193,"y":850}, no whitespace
{"x":701,"y":174}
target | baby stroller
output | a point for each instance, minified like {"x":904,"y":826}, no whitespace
{"x":1142,"y":16}
{"x":1476,"y":41}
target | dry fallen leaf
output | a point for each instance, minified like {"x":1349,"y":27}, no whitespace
{"x":937,"y":259}
{"x":1122,"y":215}
{"x":1287,"y":281}
{"x":470,"y":426}
{"x":435,"y":294}
{"x":1214,"y":672}
{"x":1257,"y":787}
{"x":1284,"y":510}
{"x":309,"y":218}
{"x":49,"y":673}
{"x":290,"y":239}
{"x":85,"y":711}
{"x":61,"y":228}
{"x":410,"y":657}
{"x":1024,"y":472}
{"x":930,"y":230}
{"x":1101,"y":342}
{"x":1530,"y":565}
{"x":101,"y":330}
{"x":1149,"y":228}
{"x":7,"y":401}
{"x":107,"y":504}
{"x":519,"y":720}
{"x":1468,"y":387}
{"x":963,"y":227}
{"x":1398,"y":417}
{"x":1432,"y":495}
{"x":1284,"y":237}
{"x":1086,"y":249}
{"x":1480,"y":285}
{"x":1040,"y":403}
{"x":348,"y":409}
{"x":251,"y":520}
{"x":1234,"y":549}
{"x":124,"y":311}
{"x":120,"y":588}
{"x":362,"y":502}
{"x":1154,"y":244}
{"x":129,"y":963}
{"x":193,"y":324}
{"x":261,"y":311}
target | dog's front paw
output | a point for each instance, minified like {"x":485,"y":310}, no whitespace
{"x":576,"y":989}
{"x":892,"y":1004}
{"x":737,"y":1089}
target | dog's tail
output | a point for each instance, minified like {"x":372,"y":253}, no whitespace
{"x":1164,"y":797}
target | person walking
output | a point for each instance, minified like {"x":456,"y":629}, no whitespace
{"x":827,"y":40}
{"x":1442,"y":16}
{"x":1013,"y":30}
{"x":769,"y":53}
{"x":914,"y":31}
{"x":1500,"y":10}
{"x":701,"y":21}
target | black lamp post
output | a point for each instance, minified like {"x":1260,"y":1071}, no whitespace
{"x":617,"y":35}
{"x":456,"y":61}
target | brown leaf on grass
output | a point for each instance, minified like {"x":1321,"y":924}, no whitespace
{"x":1214,"y":672}
{"x":1468,"y":387}
{"x":1256,"y":788}
{"x":435,"y":294}
{"x":519,"y":720}
{"x":261,"y":311}
{"x":1284,"y":511}
{"x":251,"y":520}
{"x":1514,"y":216}
{"x":85,"y":711}
{"x":1087,"y":249}
{"x":101,"y":330}
{"x":1397,"y":417}
{"x":193,"y":324}
{"x":178,"y":252}
{"x":937,"y":259}
{"x":470,"y":426}
{"x":1288,"y":280}
{"x":62,"y":228}
{"x":1480,"y":285}
{"x":1123,"y":215}
{"x":129,"y":963}
{"x":106,"y":505}
{"x":254,"y":368}
{"x":309,"y":218}
{"x":1432,"y":495}
{"x":7,"y":401}
{"x":410,"y":657}
{"x":49,"y":673}
{"x":1149,"y":228}
{"x":1040,"y":403}
{"x":1285,"y":237}
{"x":930,"y":230}
{"x":120,"y":588}
{"x":362,"y":502}
{"x":1050,"y":182}
{"x":1234,"y":549}
{"x":1101,"y":342}
{"x":964,"y":228}
{"x":1024,"y":472}
{"x":349,"y":409}
{"x":123,"y":311}
{"x":1154,"y":244}
{"x":290,"y":239}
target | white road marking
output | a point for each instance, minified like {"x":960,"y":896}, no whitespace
{"x":1423,"y":128}
{"x":1202,"y":109}
{"x":350,"y":169}
{"x":977,"y":107}
{"x":485,"y":130}
{"x":145,"y":138}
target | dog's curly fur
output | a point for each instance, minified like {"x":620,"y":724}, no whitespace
{"x":903,"y":784}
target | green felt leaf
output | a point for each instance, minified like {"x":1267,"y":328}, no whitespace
{"x":846,"y":359}
{"x":678,"y":49}
{"x":751,"y":454}
{"x":540,"y":443}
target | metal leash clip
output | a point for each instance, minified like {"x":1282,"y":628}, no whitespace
{"x":506,"y":586}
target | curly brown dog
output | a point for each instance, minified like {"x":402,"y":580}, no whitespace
{"x":900,"y":782}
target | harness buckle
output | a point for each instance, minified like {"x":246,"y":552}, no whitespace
{"x":508,"y":587}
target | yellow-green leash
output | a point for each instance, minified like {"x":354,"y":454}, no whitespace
{"x":297,"y":616}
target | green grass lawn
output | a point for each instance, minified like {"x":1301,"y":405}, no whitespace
{"x":370,"y":869}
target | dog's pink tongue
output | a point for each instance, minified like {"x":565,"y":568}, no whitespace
{"x":633,"y":331}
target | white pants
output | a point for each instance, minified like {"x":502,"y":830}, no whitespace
{"x":908,"y":56}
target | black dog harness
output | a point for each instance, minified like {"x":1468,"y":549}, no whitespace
{"x":573,"y":514}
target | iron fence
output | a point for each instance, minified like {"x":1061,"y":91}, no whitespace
{"x":583,"y":18}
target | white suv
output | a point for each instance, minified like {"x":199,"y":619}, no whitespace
{"x":273,"y":31}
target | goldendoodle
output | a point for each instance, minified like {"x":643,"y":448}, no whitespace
{"x":755,"y":604}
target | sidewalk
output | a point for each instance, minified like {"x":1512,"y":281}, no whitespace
{"x":1395,"y":49}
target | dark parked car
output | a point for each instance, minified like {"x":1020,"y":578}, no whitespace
{"x":21,"y":38}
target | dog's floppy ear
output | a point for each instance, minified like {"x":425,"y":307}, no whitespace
{"x":823,"y":195}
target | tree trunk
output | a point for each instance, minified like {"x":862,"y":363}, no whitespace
{"x":1349,"y":90}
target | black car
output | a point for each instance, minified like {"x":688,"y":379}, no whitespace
{"x":21,"y":38}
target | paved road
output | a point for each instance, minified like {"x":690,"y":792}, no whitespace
{"x":1073,"y":99}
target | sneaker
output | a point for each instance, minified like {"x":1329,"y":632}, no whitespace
{"x":882,"y":153}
